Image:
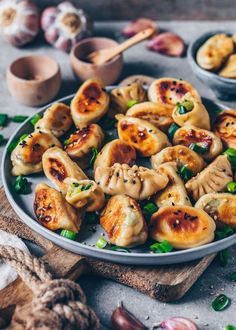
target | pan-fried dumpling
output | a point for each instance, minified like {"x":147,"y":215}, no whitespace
{"x":27,"y":156}
{"x":212,"y":54}
{"x":225,"y":127}
{"x":90,"y":103}
{"x":210,"y":145}
{"x":184,"y":227}
{"x":143,"y":136}
{"x":58,"y":166}
{"x":116,"y":151}
{"x":138,"y":182}
{"x":181,"y":155}
{"x":53,"y":211}
{"x":220,"y":206}
{"x":229,"y":68}
{"x":122,"y":95}
{"x":123,"y":221}
{"x":84,"y":194}
{"x":168,"y":91}
{"x":80,"y":144}
{"x":174,"y":193}
{"x":156,"y":114}
{"x":190,"y":111}
{"x":57,"y":119}
{"x":214,"y":178}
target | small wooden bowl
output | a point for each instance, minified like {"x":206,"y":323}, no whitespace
{"x":108,"y":72}
{"x":34,"y":80}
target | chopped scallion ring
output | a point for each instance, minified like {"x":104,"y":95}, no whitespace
{"x":131,"y":103}
{"x":163,"y":247}
{"x":231,"y":187}
{"x":172,"y":129}
{"x":198,"y":149}
{"x":19,"y":119}
{"x":68,"y":234}
{"x":220,"y":302}
{"x":3,"y":119}
{"x":35,"y":119}
{"x":94,"y":156}
{"x":149,"y":209}
{"x":185,"y":173}
{"x":21,"y":185}
{"x":231,"y":153}
{"x":101,"y":243}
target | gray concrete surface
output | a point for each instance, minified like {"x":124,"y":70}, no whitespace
{"x":104,"y":295}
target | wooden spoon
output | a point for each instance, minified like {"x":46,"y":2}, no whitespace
{"x":100,"y":57}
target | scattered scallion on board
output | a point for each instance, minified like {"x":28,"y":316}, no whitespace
{"x":231,"y":187}
{"x":131,"y":103}
{"x":94,"y":156}
{"x":21,"y":185}
{"x":198,"y":148}
{"x":19,"y":119}
{"x":68,"y":234}
{"x":162,"y":247}
{"x":172,"y":129}
{"x":3,"y":119}
{"x":35,"y":119}
{"x":2,"y":139}
{"x":230,"y":327}
{"x":220,"y":303}
{"x":231,"y":153}
{"x":185,"y":173}
{"x":223,"y":257}
{"x":101,"y":243}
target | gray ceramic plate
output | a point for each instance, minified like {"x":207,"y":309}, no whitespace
{"x":23,"y":206}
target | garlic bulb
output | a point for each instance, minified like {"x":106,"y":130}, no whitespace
{"x":19,"y":21}
{"x":65,"y":25}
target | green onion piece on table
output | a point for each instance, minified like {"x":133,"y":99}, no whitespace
{"x":94,"y":156}
{"x":172,"y":129}
{"x":232,"y":277}
{"x":3,"y":119}
{"x":223,"y":257}
{"x":231,"y":153}
{"x":21,"y":185}
{"x":2,"y":139}
{"x":68,"y":234}
{"x":162,"y":247}
{"x":198,"y":149}
{"x":230,"y":327}
{"x":131,"y":103}
{"x":220,"y":303}
{"x":101,"y":243}
{"x":231,"y":187}
{"x":185,"y":173}
{"x":35,"y":119}
{"x":19,"y":119}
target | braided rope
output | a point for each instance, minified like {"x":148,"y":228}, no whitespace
{"x":57,"y":304}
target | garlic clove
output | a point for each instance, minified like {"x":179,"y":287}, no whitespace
{"x":178,"y":323}
{"x":138,"y":25}
{"x":121,"y":319}
{"x":167,"y":43}
{"x":229,"y":69}
{"x":48,"y":17}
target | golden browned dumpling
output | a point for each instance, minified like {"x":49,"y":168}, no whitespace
{"x":184,"y":227}
{"x":225,"y":127}
{"x":214,"y":51}
{"x":143,"y":136}
{"x":220,"y":206}
{"x":53,"y":211}
{"x":155,"y":114}
{"x":80,"y":144}
{"x":214,"y":178}
{"x":123,"y":222}
{"x":229,"y":69}
{"x":58,"y":166}
{"x":116,"y":151}
{"x":174,"y":193}
{"x":90,"y":103}
{"x":84,"y":194}
{"x":138,"y":182}
{"x":168,"y":91}
{"x":27,"y":156}
{"x":210,"y":145}
{"x":181,"y":155}
{"x":122,"y":95}
{"x":190,"y":111}
{"x":57,"y":119}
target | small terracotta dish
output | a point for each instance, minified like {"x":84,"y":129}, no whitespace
{"x":108,"y":72}
{"x":34,"y":80}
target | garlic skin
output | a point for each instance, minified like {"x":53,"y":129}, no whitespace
{"x":19,"y":21}
{"x":138,"y":25}
{"x":178,"y":323}
{"x":167,"y":43}
{"x":65,"y":25}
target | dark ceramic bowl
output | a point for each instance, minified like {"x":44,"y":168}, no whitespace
{"x":224,"y":88}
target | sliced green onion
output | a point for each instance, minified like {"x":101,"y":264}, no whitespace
{"x":230,"y":327}
{"x":3,"y":119}
{"x":220,"y":303}
{"x":119,"y":249}
{"x":75,"y":185}
{"x":162,"y":247}
{"x":231,"y":187}
{"x":131,"y":103}
{"x":181,"y":109}
{"x":21,"y":185}
{"x":172,"y":129}
{"x":101,"y":243}
{"x":22,"y":137}
{"x":94,"y":156}
{"x":19,"y":119}
{"x":149,"y":209}
{"x":2,"y":139}
{"x":68,"y":234}
{"x":66,"y":142}
{"x":87,"y":187}
{"x":232,"y":277}
{"x":223,"y":257}
{"x":35,"y":119}
{"x":91,"y":218}
{"x":188,"y":105}
{"x":224,"y":232}
{"x":198,"y":149}
{"x":185,"y":173}
{"x":231,"y":153}
{"x":12,"y":145}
